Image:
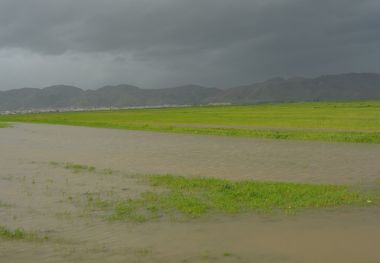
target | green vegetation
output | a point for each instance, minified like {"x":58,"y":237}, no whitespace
{"x":4,"y":125}
{"x":16,"y":234}
{"x":183,"y":198}
{"x":357,"y":121}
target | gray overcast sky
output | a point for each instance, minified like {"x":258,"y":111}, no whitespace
{"x":164,"y":43}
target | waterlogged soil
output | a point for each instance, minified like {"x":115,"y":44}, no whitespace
{"x":45,"y":198}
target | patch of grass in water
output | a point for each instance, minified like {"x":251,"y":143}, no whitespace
{"x":74,"y":167}
{"x":194,"y":197}
{"x":2,"y":204}
{"x":55,"y":164}
{"x":17,"y":234}
{"x":4,"y":125}
{"x":108,"y":171}
{"x":95,"y":201}
{"x":77,"y":168}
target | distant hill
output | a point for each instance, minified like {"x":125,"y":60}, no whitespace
{"x":329,"y":87}
{"x":126,"y":95}
{"x":61,"y":96}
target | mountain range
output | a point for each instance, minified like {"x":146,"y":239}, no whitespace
{"x":324,"y":88}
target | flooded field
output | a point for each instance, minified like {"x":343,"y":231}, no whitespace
{"x":222,"y":157}
{"x":52,"y":201}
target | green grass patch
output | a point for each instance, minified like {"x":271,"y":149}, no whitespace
{"x":17,"y":234}
{"x":184,"y":198}
{"x":4,"y":125}
{"x":352,"y":121}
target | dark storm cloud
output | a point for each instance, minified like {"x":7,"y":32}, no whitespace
{"x":211,"y":42}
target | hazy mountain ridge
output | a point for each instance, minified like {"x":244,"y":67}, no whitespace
{"x":329,"y":87}
{"x":61,"y":96}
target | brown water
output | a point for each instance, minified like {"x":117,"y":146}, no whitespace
{"x":52,"y":201}
{"x":223,"y":157}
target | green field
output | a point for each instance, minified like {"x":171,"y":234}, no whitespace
{"x":357,"y":121}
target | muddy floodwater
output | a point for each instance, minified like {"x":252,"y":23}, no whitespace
{"x":51,"y":201}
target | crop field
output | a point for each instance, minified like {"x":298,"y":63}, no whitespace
{"x":355,"y":121}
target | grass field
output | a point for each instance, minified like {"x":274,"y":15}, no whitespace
{"x":356,"y":121}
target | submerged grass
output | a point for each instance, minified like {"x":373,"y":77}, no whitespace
{"x":17,"y":234}
{"x":74,"y":167}
{"x":182,"y":197}
{"x":77,"y":168}
{"x":2,"y":204}
{"x":82,"y":168}
{"x":351,"y":121}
